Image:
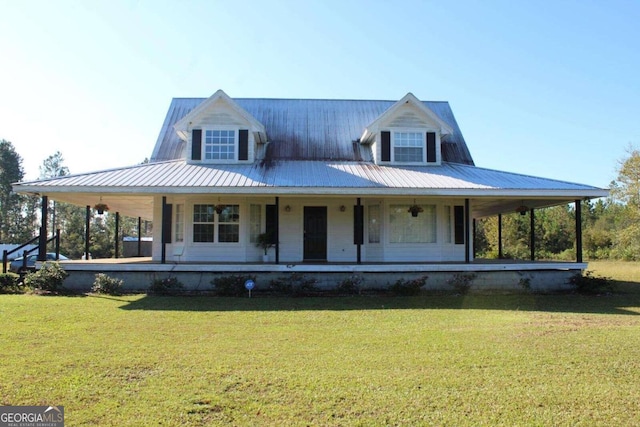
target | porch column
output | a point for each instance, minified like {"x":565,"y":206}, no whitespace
{"x":117,"y":233}
{"x":87,"y":224}
{"x":499,"y":236}
{"x":532,"y":236}
{"x":42,"y":241}
{"x":139,"y":236}
{"x":474,"y":234}
{"x":467,"y":232}
{"x":578,"y":231}
{"x":277,"y":231}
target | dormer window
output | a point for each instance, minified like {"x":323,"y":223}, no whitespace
{"x":223,"y":145}
{"x":409,"y":146}
{"x":220,"y":144}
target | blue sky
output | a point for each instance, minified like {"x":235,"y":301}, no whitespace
{"x":546,"y":88}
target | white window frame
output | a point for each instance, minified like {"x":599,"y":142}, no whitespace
{"x":423,"y":133}
{"x":236,"y":132}
{"x":409,"y":230}
{"x":179,"y":218}
{"x":422,"y":147}
{"x":217,"y":223}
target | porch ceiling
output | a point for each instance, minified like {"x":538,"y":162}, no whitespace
{"x":132,"y":205}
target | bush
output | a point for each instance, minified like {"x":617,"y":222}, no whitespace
{"x":352,"y":285}
{"x":9,"y":283}
{"x":231,"y":286}
{"x":403,"y":287}
{"x":461,"y":282}
{"x":48,"y":279}
{"x":590,"y":284}
{"x":166,"y":286}
{"x":295,"y":284}
{"x":104,"y":284}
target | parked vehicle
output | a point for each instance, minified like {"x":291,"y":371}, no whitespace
{"x":16,"y":265}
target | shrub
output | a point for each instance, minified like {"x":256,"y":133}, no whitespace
{"x":590,"y":284}
{"x":166,"y":286}
{"x":404,"y":287}
{"x":525,"y":283}
{"x":352,"y":285}
{"x":104,"y":284}
{"x":9,"y":283}
{"x":48,"y":279}
{"x":461,"y":282}
{"x":231,"y":286}
{"x":295,"y":284}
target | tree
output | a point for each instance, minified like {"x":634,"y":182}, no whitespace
{"x":626,"y":191}
{"x":17,"y":216}
{"x":53,"y":167}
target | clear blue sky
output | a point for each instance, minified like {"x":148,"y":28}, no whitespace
{"x":547,"y":88}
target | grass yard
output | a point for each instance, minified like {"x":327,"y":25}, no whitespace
{"x":513,"y":360}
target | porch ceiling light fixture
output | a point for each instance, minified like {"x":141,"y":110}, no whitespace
{"x":415,"y":209}
{"x":522,"y":209}
{"x":219,"y":208}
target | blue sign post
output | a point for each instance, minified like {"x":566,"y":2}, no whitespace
{"x":249,"y":286}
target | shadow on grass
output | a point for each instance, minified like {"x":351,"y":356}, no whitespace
{"x":619,"y":303}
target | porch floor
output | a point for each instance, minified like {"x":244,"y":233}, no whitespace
{"x":480,"y":264}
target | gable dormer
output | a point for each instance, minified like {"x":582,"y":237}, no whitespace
{"x":220,"y":131}
{"x":408,"y":133}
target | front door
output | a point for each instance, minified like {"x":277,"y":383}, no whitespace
{"x":315,"y":233}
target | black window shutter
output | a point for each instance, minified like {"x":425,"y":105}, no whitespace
{"x":243,"y":149}
{"x":458,"y":224}
{"x":431,"y":147}
{"x":196,"y":144}
{"x":272,"y":223}
{"x":358,"y":225}
{"x":167,"y":216}
{"x":385,"y":140}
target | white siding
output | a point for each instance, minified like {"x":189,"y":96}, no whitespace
{"x":340,"y":247}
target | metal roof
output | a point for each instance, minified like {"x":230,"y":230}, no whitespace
{"x":313,"y":178}
{"x":311,"y":129}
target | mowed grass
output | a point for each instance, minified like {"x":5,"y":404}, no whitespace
{"x":546,"y":360}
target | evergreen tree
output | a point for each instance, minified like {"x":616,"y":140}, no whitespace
{"x":17,"y":216}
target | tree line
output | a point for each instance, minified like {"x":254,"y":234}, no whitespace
{"x":611,"y":226}
{"x":20,"y":213}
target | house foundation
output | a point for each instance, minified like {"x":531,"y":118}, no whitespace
{"x":489,"y":276}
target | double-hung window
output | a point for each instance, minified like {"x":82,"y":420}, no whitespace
{"x":220,"y":144}
{"x":216,"y":223}
{"x":408,"y":147}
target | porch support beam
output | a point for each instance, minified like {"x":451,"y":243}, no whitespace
{"x":139,"y":236}
{"x":277,"y":237}
{"x":117,"y":234}
{"x":467,"y":232}
{"x":42,"y":241}
{"x":87,"y":226}
{"x":163,"y":233}
{"x":474,"y":234}
{"x":532,"y":235}
{"x":499,"y":236}
{"x":578,"y":204}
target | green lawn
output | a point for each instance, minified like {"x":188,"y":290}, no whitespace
{"x":544,"y":360}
